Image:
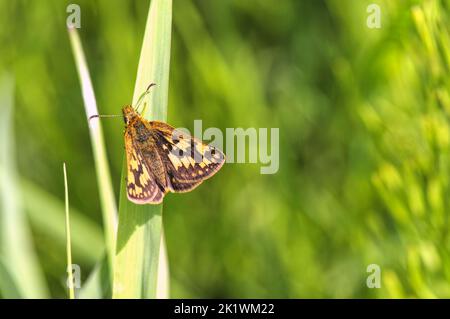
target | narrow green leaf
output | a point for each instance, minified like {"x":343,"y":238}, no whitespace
{"x":107,"y":199}
{"x":139,"y":230}
{"x":162,"y":285}
{"x":68,"y":246}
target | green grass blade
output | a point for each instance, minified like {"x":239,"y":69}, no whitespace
{"x":162,"y":285}
{"x":109,"y":209}
{"x":68,"y":246}
{"x":139,"y":230}
{"x":16,"y":248}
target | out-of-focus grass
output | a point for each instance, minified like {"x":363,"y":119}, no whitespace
{"x":8,"y":287}
{"x":20,"y":268}
{"x":44,"y":212}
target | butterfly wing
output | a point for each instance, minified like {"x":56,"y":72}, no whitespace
{"x":141,"y":184}
{"x":187,"y":160}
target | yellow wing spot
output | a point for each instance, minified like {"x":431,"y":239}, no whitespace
{"x":144,"y":170}
{"x":206,"y":161}
{"x":184,"y":144}
{"x":202,"y":165}
{"x":185,"y":162}
{"x":175,"y":161}
{"x":130,"y":178}
{"x":138,"y":190}
{"x":133,"y":164}
{"x":191,"y":161}
{"x":145,"y":177}
{"x":193,"y":174}
{"x":200,"y":172}
{"x":200,"y":147}
{"x":143,"y":180}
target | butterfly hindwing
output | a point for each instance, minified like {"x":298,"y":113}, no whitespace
{"x":141,"y":185}
{"x":187,"y":160}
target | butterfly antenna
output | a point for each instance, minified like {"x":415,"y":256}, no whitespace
{"x":141,"y":98}
{"x":99,"y":115}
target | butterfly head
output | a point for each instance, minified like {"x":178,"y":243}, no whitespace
{"x":129,"y":114}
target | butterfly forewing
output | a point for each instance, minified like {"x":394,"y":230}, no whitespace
{"x":141,"y":185}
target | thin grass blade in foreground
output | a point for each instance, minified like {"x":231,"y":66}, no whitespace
{"x":16,"y":248}
{"x":139,"y":230}
{"x":109,"y":209}
{"x":68,"y":247}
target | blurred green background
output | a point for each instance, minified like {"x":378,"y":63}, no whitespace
{"x":364,"y":143}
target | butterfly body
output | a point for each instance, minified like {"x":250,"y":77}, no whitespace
{"x":162,"y":159}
